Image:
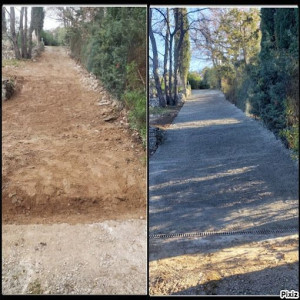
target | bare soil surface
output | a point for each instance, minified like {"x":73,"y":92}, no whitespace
{"x":221,"y":171}
{"x":69,"y":157}
{"x":62,"y":162}
{"x":165,"y":119}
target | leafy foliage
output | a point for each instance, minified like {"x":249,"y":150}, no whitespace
{"x":210,"y":78}
{"x":113,"y":47}
{"x":194,"y":80}
{"x":275,"y":99}
{"x":48,"y":38}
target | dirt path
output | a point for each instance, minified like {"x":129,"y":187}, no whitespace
{"x":63,"y":163}
{"x":219,"y":170}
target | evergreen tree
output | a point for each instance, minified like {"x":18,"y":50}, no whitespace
{"x":276,"y":96}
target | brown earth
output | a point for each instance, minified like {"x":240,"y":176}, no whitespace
{"x":61,"y":161}
{"x":164,"y":120}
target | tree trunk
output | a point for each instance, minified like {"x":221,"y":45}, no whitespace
{"x":179,"y":25}
{"x":4,"y":29}
{"x":175,"y":99}
{"x":38,"y":36}
{"x":25,"y":34}
{"x":30,"y":42}
{"x":29,"y":53}
{"x":170,"y":69}
{"x":23,"y":45}
{"x":13,"y":33}
{"x":166,"y":58}
{"x":162,"y":101}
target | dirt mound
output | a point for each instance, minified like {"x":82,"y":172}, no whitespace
{"x":61,"y":161}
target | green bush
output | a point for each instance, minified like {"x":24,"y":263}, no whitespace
{"x":113,"y":47}
{"x":210,"y":78}
{"x":49,"y":38}
{"x":194,"y":80}
{"x":135,"y":101}
{"x":291,"y":136}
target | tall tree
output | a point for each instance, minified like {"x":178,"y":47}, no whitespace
{"x":14,"y":36}
{"x":181,"y":50}
{"x":167,"y":40}
{"x":37,"y":21}
{"x":23,"y":34}
{"x":155,"y":63}
{"x":36,"y":25}
{"x":185,"y":52}
{"x":4,"y":28}
{"x":175,"y":35}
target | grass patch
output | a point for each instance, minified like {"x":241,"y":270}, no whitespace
{"x":143,"y":160}
{"x":160,"y":110}
{"x":35,"y":288}
{"x":11,"y":62}
{"x":135,"y":102}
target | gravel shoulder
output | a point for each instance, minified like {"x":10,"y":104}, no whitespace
{"x":100,"y":258}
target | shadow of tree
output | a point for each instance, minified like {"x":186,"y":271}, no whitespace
{"x":269,"y":281}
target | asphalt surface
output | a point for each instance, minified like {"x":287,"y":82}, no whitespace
{"x":220,"y":170}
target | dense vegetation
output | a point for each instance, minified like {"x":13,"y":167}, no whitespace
{"x":275,"y":95}
{"x":196,"y":81}
{"x":111,"y":43}
{"x":54,"y":37}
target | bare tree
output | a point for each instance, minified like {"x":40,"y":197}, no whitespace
{"x":165,"y":75}
{"x":4,"y":28}
{"x":25,"y":35}
{"x":22,"y":34}
{"x":171,"y":54}
{"x":179,"y":26}
{"x":31,"y":28}
{"x":162,"y":101}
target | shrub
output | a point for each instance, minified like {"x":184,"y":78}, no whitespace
{"x":135,"y":101}
{"x":113,"y":47}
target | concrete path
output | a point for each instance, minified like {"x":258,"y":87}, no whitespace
{"x":219,"y":170}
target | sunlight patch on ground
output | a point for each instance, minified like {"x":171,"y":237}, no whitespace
{"x":181,"y":272}
{"x":229,"y":172}
{"x":205,"y":123}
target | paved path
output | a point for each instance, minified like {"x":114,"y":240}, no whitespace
{"x":219,"y":170}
